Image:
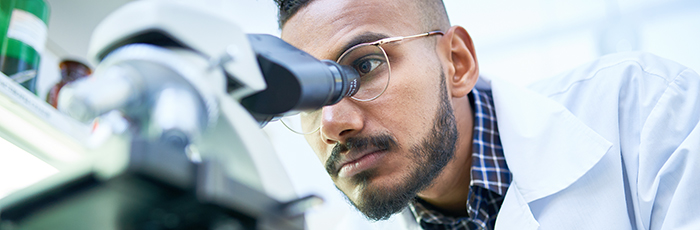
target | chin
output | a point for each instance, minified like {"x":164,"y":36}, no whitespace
{"x":379,"y":196}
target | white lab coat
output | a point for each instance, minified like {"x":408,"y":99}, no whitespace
{"x":614,"y":144}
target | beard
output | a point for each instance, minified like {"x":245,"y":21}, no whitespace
{"x":429,"y":158}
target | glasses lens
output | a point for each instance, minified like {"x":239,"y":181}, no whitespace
{"x":372,"y":64}
{"x":303,"y":123}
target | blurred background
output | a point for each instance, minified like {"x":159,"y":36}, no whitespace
{"x":518,"y":40}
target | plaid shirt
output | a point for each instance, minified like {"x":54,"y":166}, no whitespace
{"x":490,"y":176}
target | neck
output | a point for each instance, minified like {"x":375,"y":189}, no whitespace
{"x":450,"y":189}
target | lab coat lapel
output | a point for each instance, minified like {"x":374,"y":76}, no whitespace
{"x":515,"y":212}
{"x":546,"y":147}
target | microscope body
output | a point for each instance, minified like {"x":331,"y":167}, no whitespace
{"x":182,"y":151}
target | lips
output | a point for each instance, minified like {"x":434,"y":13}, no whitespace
{"x":358,"y":154}
{"x":358,"y":162}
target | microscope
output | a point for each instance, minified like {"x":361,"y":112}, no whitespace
{"x":180,"y":95}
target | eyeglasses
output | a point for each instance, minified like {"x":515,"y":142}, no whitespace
{"x":372,"y":63}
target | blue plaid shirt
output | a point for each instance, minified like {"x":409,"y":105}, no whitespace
{"x":490,"y":176}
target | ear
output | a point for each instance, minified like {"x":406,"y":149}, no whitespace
{"x":459,"y":62}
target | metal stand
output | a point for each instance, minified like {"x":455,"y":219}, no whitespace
{"x":160,"y":189}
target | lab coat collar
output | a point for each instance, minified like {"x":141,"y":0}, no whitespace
{"x":515,"y":212}
{"x":546,"y":147}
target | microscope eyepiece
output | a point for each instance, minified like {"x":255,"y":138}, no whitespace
{"x":296,"y":81}
{"x":346,"y":79}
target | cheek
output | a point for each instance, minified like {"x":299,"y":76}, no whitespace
{"x":408,"y":106}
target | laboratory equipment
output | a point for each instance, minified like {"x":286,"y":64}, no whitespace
{"x":180,"y":94}
{"x":23,"y":26}
{"x":71,"y":70}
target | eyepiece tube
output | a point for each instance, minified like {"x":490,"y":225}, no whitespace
{"x":296,"y":81}
{"x":346,"y":79}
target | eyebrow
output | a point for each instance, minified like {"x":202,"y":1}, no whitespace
{"x":362,"y":38}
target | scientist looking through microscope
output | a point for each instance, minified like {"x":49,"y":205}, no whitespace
{"x":611,"y":145}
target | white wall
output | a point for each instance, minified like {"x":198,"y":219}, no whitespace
{"x":529,"y":40}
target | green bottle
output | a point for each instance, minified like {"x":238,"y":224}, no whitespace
{"x":23,"y":26}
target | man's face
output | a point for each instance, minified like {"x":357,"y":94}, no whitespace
{"x":380,"y":153}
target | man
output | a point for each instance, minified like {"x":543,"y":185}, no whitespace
{"x":612,"y":145}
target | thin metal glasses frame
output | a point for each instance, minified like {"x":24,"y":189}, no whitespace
{"x":378,"y":44}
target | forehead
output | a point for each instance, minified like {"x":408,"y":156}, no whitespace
{"x":324,"y":28}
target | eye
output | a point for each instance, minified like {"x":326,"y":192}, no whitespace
{"x":366,"y":66}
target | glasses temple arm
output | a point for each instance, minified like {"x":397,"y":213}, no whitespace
{"x":395,"y":39}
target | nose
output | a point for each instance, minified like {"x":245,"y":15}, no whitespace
{"x":340,"y":121}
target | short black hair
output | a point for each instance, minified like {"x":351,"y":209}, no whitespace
{"x":287,"y":9}
{"x":434,"y":11}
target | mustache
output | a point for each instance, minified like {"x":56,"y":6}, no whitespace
{"x":359,"y":144}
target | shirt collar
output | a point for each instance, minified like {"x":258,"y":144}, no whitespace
{"x":489,"y":169}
